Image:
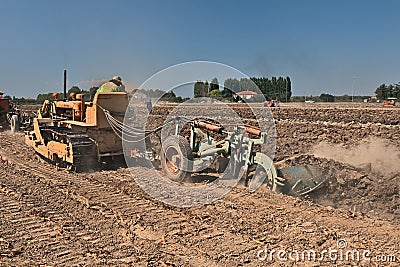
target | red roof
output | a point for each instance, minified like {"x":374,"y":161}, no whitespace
{"x":246,"y":93}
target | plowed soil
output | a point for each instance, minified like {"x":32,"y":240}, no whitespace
{"x":49,"y":217}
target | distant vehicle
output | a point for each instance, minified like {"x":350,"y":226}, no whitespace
{"x":390,"y":102}
{"x":271,"y":103}
{"x":12,"y":117}
{"x":4,"y":109}
{"x":309,"y":101}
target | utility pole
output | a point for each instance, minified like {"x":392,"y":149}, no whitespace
{"x":352,"y":87}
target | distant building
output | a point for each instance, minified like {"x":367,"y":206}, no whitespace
{"x":246,"y":95}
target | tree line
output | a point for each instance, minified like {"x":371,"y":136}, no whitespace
{"x":384,"y":91}
{"x":324,"y":97}
{"x":275,"y":88}
{"x":87,"y":94}
{"x":203,"y":89}
{"x":159,"y":94}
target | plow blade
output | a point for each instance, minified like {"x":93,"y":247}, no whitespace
{"x":301,"y":180}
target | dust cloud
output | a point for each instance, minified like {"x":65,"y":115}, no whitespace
{"x":372,"y":153}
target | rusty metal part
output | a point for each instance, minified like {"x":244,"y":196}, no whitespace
{"x":220,"y":129}
{"x":252,"y":130}
{"x":209,"y":126}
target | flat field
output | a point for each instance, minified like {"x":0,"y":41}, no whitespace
{"x":50,"y":217}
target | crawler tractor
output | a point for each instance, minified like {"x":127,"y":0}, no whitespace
{"x":76,"y":134}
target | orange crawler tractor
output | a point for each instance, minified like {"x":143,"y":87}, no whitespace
{"x":76,"y":134}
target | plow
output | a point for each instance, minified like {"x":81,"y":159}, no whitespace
{"x":235,"y":155}
{"x":81,"y":135}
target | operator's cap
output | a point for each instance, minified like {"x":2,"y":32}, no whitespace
{"x":117,"y":78}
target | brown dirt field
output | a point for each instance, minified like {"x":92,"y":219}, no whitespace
{"x":49,"y":217}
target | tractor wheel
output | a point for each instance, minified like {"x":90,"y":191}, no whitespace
{"x":176,"y":158}
{"x":14,"y":124}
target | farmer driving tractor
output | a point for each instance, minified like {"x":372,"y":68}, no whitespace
{"x":114,"y":85}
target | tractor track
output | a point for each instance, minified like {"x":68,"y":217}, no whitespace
{"x":124,"y":209}
{"x":33,"y":232}
{"x":75,"y":230}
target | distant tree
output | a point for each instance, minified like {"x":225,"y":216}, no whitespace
{"x":206,"y":89}
{"x":384,"y":91}
{"x":381,"y":92}
{"x":198,"y":89}
{"x":214,"y":85}
{"x":274,"y":88}
{"x":168,"y":96}
{"x":171,"y":97}
{"x":21,"y":100}
{"x":247,"y":85}
{"x":288,"y":89}
{"x":230,"y":86}
{"x":327,"y":98}
{"x":261,"y":83}
{"x":215,"y":93}
{"x":297,"y":99}
{"x":74,"y":89}
{"x":346,"y":98}
{"x":49,"y":96}
{"x":390,"y":90}
{"x":396,"y":91}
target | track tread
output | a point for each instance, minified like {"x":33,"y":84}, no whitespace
{"x":83,"y":147}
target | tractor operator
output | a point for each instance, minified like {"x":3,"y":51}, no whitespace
{"x":114,"y":85}
{"x":1,"y":94}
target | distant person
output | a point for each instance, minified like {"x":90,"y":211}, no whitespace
{"x":114,"y":85}
{"x":149,"y":105}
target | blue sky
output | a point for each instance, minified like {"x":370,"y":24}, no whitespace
{"x":324,"y":46}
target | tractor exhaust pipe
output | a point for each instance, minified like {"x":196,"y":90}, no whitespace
{"x":65,"y":86}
